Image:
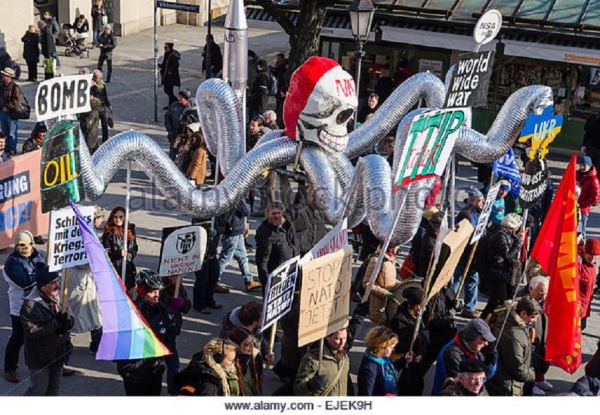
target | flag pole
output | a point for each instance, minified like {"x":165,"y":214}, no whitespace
{"x":126,"y":224}
{"x":65,"y":288}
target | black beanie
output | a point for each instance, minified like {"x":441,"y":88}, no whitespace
{"x":43,"y":275}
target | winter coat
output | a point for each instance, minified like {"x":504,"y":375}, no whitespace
{"x":502,"y":251}
{"x":274,"y":246}
{"x":163,"y":326}
{"x":383,"y":284}
{"x":216,"y":58}
{"x":308,"y":221}
{"x":590,"y":190}
{"x":330,"y":367}
{"x":113,"y":243}
{"x":453,"y":387}
{"x":403,"y":324}
{"x":83,"y":300}
{"x":19,"y":274}
{"x":587,"y":282}
{"x":31,"y":144}
{"x":252,"y":70}
{"x":43,"y":345}
{"x":88,"y":121}
{"x":514,"y":362}
{"x":259,"y":100}
{"x":233,"y":222}
{"x":11,"y":96}
{"x":196,"y":171}
{"x":166,"y":295}
{"x":108,"y":42}
{"x":97,"y":13}
{"x":251,"y":388}
{"x":586,"y":386}
{"x":169,"y":68}
{"x":449,"y":359}
{"x":198,"y":379}
{"x":372,"y":375}
{"x":31,"y":47}
{"x":82,"y":27}
{"x":48,"y":42}
{"x":232,"y":320}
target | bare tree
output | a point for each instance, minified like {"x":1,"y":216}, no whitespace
{"x":306,"y":33}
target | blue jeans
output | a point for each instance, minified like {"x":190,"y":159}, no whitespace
{"x":97,"y":34}
{"x":469,"y":287}
{"x":584,"y":220}
{"x":14,"y":345}
{"x":233,"y":246}
{"x":10,"y":128}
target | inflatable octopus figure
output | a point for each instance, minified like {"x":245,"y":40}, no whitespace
{"x":321,"y":100}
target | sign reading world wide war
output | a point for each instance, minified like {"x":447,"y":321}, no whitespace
{"x":429,"y":144}
{"x":470,"y":81}
{"x":534,"y":181}
{"x":60,"y":181}
{"x":325,"y":295}
{"x":65,"y":247}
{"x":182,"y":250}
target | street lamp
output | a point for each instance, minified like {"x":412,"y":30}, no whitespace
{"x":361,"y":18}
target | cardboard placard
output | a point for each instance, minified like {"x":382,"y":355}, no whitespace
{"x":541,"y":130}
{"x":20,"y":204}
{"x":454,"y":246}
{"x":335,"y":239}
{"x":484,"y":216}
{"x":182,"y":250}
{"x":325,"y":295}
{"x":534,"y":181}
{"x":65,"y":247}
{"x":470,"y":81}
{"x":279,"y":294}
{"x":62,"y":96}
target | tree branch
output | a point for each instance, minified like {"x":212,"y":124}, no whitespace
{"x":279,"y":15}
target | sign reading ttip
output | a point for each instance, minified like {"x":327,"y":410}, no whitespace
{"x":429,"y":145}
{"x":60,"y":181}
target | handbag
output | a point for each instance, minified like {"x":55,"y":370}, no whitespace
{"x":110,"y":121}
{"x":22,"y":111}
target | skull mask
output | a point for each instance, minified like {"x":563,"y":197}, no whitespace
{"x":323,"y":96}
{"x":24,"y":243}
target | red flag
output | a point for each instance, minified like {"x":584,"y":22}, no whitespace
{"x":556,"y":251}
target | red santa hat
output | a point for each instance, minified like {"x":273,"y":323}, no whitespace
{"x":302,"y":84}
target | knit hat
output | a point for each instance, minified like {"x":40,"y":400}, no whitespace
{"x":474,"y":193}
{"x":303,"y":82}
{"x":512,"y":220}
{"x":585,"y":160}
{"x":505,"y":185}
{"x":592,"y":246}
{"x":471,"y":366}
{"x":43,"y":275}
{"x":413,"y":295}
{"x":185,"y":93}
{"x":238,"y":335}
{"x":478,"y":327}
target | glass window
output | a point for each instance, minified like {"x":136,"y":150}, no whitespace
{"x":585,"y":94}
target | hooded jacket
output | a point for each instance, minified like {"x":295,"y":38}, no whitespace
{"x":590,"y":190}
{"x":19,"y":274}
{"x":198,"y":379}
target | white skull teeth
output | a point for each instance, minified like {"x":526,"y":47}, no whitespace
{"x":333,"y":142}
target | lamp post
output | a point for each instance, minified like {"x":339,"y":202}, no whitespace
{"x":361,"y":18}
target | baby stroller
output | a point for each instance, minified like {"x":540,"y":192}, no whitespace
{"x":75,"y":42}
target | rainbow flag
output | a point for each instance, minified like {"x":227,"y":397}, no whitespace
{"x":125,"y":333}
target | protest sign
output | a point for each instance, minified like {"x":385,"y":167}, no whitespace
{"x":335,"y":239}
{"x":470,"y":81}
{"x":325,"y":295}
{"x":484,"y":216}
{"x":429,"y":144}
{"x":487,"y":27}
{"x":65,"y":248}
{"x":280,"y":292}
{"x":506,"y":167}
{"x":60,"y":167}
{"x":62,"y":96}
{"x":533,"y":183}
{"x":182,"y":250}
{"x":452,"y":249}
{"x":541,"y":130}
{"x":20,"y":205}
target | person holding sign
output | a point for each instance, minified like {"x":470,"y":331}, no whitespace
{"x":377,"y":375}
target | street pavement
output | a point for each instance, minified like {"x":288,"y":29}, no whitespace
{"x":131,"y":94}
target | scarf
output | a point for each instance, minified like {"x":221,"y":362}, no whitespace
{"x":390,"y":374}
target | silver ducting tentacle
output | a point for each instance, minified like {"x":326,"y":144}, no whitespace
{"x":486,"y":148}
{"x":221,"y":117}
{"x":98,"y":170}
{"x":425,"y":86}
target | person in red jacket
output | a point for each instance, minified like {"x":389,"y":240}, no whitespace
{"x":586,"y":269}
{"x":587,"y":178}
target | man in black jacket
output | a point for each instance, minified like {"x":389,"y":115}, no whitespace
{"x":169,"y":71}
{"x":46,"y":328}
{"x":106,"y":42}
{"x":259,"y":98}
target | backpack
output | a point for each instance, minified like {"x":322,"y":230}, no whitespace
{"x":273,"y":87}
{"x":17,"y":69}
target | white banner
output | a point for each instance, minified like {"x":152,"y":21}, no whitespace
{"x":336,"y":239}
{"x":62,"y":96}
{"x":65,"y":247}
{"x":484,"y":216}
{"x":182,"y":251}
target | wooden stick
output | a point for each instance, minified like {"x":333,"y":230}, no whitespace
{"x":272,"y":340}
{"x":177,"y":286}
{"x":321,"y":346}
{"x":65,"y":288}
{"x":464,"y":274}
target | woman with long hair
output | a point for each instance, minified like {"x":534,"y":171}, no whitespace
{"x":377,"y":375}
{"x":210,"y":371}
{"x":248,"y":362}
{"x":113,"y":241}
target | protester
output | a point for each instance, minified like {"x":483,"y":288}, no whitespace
{"x":502,"y":255}
{"x":31,"y":52}
{"x":10,"y":98}
{"x":586,"y":386}
{"x":46,"y":332}
{"x":309,"y":220}
{"x":3,"y":156}
{"x":469,"y":382}
{"x":586,"y":270}
{"x":467,"y":344}
{"x":88,"y":121}
{"x":256,"y":129}
{"x":385,"y":282}
{"x":20,"y":275}
{"x":107,"y":42}
{"x":176,"y":306}
{"x":178,"y":116}
{"x":169,"y":71}
{"x":83,"y":301}
{"x":98,"y":17}
{"x":587,"y":178}
{"x":248,"y":362}
{"x":377,"y":375}
{"x":270,"y":119}
{"x":113,"y":241}
{"x":514,"y":349}
{"x":143,"y":377}
{"x":252,"y":68}
{"x":259,"y":94}
{"x":216,"y":58}
{"x":36,"y":140}
{"x":207,"y":373}
{"x":499,"y":209}
{"x":425,"y":245}
{"x":335,"y":367}
{"x":196,"y":170}
{"x":105,"y":107}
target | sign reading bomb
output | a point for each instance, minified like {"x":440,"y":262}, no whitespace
{"x":470,"y":81}
{"x":280,"y":292}
{"x":533,"y":183}
{"x":63,"y":96}
{"x":65,"y":247}
{"x":325,"y":295}
{"x":182,"y":250}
